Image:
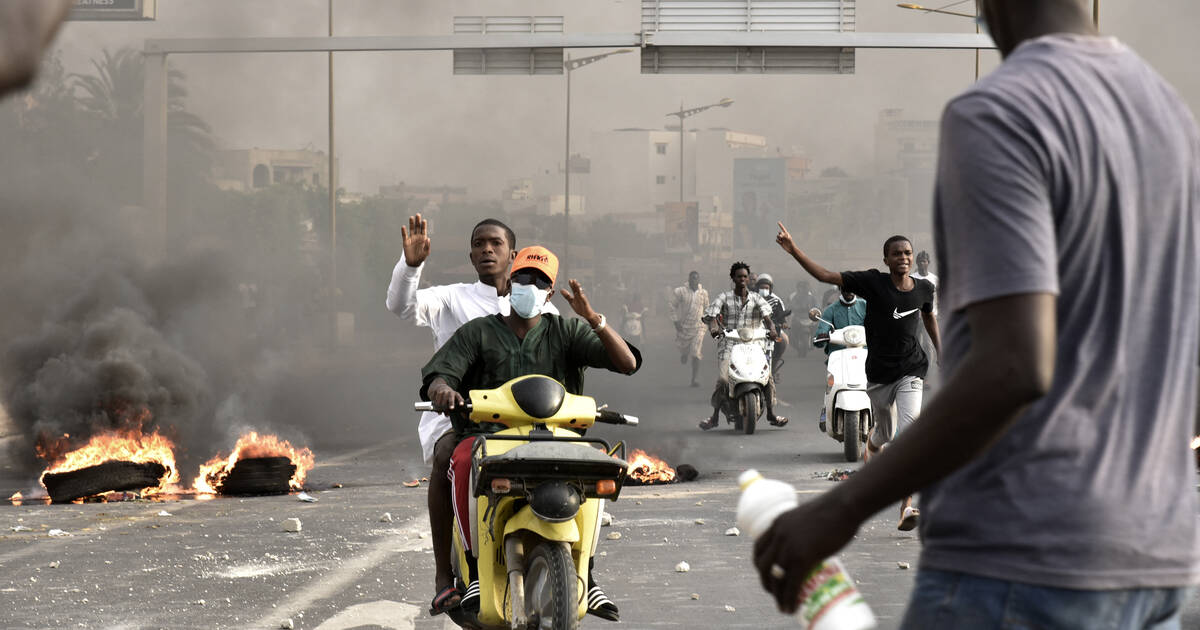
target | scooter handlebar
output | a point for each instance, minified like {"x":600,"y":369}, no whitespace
{"x":427,"y":405}
{"x":612,"y":417}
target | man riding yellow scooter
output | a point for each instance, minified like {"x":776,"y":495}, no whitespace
{"x":487,"y":352}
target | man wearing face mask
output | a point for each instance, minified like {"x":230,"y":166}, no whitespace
{"x":847,"y":310}
{"x":443,"y":309}
{"x":487,"y":352}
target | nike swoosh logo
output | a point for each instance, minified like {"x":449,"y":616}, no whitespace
{"x":896,"y":314}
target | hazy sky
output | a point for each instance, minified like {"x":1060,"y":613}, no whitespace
{"x":404,"y":116}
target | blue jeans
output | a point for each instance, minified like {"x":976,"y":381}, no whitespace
{"x":943,"y":600}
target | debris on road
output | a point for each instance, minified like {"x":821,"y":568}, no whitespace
{"x":287,"y":624}
{"x":336,"y":485}
{"x":903,"y":565}
{"x":306,"y":497}
{"x":164,"y":513}
{"x":386,"y":518}
{"x":837,"y":474}
{"x":606,"y":520}
{"x":699,"y":521}
{"x":614,"y":536}
{"x":19,"y":528}
{"x":57,"y":532}
{"x":412,"y":484}
{"x":733,"y":531}
{"x":695,"y":595}
{"x":291,"y":525}
{"x":683,"y":567}
{"x":729,"y":608}
{"x":53,"y":565}
{"x":687,"y":472}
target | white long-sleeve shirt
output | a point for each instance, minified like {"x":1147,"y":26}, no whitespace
{"x":443,"y":308}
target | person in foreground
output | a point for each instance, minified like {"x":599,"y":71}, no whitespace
{"x":1057,"y":485}
{"x":489,"y":351}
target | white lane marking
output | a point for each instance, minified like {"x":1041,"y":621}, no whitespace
{"x":382,"y":613}
{"x":327,"y":584}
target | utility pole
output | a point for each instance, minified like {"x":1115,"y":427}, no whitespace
{"x":688,"y":113}
{"x":569,"y":66}
{"x":332,"y":182}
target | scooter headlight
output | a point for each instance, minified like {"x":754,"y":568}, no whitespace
{"x":854,"y":337}
{"x":554,"y":501}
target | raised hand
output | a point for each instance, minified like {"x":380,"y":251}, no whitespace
{"x":579,"y":302}
{"x":416,"y":240}
{"x":785,"y":239}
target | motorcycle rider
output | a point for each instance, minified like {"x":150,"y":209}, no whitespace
{"x":735,"y":309}
{"x":896,"y":364}
{"x":848,"y":310}
{"x":444,"y":308}
{"x":488,"y":351}
{"x":765,"y":286}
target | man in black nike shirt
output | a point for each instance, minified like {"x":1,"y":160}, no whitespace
{"x":896,"y":364}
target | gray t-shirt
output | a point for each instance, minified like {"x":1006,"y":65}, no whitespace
{"x":1074,"y":170}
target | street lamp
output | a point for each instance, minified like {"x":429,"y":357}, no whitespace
{"x":569,"y":66}
{"x":688,"y":113}
{"x":917,"y":7}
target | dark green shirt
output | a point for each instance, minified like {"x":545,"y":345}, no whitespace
{"x":485,"y":353}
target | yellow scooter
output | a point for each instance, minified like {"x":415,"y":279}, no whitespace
{"x":539,"y":488}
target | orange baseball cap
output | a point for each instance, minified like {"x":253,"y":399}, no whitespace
{"x":537,"y":257}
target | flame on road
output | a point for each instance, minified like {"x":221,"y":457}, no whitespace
{"x":647,"y":468}
{"x":249,"y":446}
{"x":129,"y":444}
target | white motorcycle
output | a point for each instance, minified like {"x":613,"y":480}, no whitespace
{"x":847,"y":408}
{"x":749,"y":371}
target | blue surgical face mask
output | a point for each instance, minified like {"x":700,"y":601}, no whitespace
{"x":526,"y":300}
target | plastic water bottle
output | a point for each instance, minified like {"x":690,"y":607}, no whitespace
{"x":829,"y":599}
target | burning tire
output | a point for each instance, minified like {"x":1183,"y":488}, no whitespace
{"x":259,"y":475}
{"x":550,"y":580}
{"x":112,"y":476}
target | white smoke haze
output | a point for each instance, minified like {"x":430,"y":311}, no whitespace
{"x":223,"y":333}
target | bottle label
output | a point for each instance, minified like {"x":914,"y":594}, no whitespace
{"x":824,"y":588}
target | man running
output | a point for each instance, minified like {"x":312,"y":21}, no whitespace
{"x":688,"y":303}
{"x":896,"y":364}
{"x":490,"y":351}
{"x":1053,"y":463}
{"x":444,"y":309}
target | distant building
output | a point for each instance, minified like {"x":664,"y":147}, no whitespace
{"x":428,"y":198}
{"x":635,"y":170}
{"x":252,"y":169}
{"x":907,"y":148}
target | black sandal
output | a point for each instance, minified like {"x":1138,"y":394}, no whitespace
{"x":447,"y":599}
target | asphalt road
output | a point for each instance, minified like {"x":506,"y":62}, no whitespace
{"x":227,"y":563}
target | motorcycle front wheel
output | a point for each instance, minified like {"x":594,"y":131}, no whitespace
{"x":748,"y":406}
{"x":851,"y":442}
{"x":550,"y":593}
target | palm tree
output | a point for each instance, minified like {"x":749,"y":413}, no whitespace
{"x":112,"y":99}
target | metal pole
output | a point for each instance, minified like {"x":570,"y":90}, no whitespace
{"x":1096,"y":13}
{"x":680,"y":151}
{"x":567,"y":183}
{"x":154,"y":148}
{"x":332,"y":184}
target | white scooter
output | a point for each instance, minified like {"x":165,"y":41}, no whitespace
{"x":847,"y":408}
{"x":749,"y":371}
